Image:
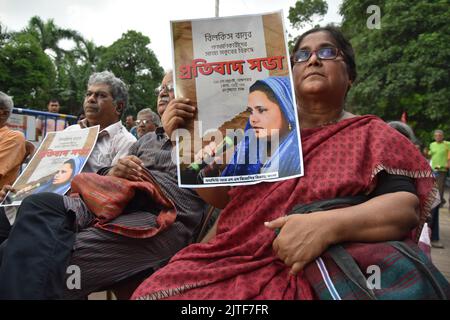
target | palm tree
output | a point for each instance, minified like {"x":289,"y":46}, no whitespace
{"x":4,"y":34}
{"x":49,"y":35}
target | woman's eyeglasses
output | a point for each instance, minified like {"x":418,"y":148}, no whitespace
{"x":144,"y":122}
{"x":169,"y":87}
{"x":323,"y":54}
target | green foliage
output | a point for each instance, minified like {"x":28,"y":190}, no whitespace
{"x":130,"y":59}
{"x":26,"y":72}
{"x":404,"y":65}
{"x":49,"y":35}
{"x":303,"y":13}
{"x":33,"y":66}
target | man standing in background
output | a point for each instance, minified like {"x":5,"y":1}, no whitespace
{"x":439,"y":153}
{"x":43,"y":126}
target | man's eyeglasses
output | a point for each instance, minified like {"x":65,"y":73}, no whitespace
{"x":144,"y":122}
{"x":169,"y":87}
{"x":323,"y":54}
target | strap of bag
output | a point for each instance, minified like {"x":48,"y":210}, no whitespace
{"x":205,"y":224}
{"x":411,"y":254}
{"x":328,"y":204}
{"x":349,"y":267}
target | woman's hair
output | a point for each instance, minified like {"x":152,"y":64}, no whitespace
{"x":261,"y":86}
{"x":342,"y":44}
{"x":72,"y":165}
{"x":6,"y":101}
{"x":119,"y":90}
{"x":155,"y":118}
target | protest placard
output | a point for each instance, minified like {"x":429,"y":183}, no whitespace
{"x":58,"y":159}
{"x":236,"y":71}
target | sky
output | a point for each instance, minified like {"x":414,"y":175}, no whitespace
{"x":104,"y":21}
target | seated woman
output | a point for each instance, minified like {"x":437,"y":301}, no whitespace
{"x":344,"y":155}
{"x":271,"y":109}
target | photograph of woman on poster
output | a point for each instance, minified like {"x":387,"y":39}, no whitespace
{"x":272,"y":113}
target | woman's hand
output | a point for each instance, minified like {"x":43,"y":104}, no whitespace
{"x":6,"y":188}
{"x":302,"y":238}
{"x":177,"y":115}
{"x":129,"y":167}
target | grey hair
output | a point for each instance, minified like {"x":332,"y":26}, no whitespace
{"x":438,"y":131}
{"x":6,"y":101}
{"x":155,"y":118}
{"x":119,"y":89}
{"x":404,"y":129}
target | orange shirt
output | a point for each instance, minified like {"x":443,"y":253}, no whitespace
{"x":12,"y":153}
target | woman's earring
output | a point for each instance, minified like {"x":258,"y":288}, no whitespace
{"x":290,"y":127}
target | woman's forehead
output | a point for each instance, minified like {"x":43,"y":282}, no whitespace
{"x":318,"y":39}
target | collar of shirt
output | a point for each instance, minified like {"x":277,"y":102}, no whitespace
{"x":160,"y":133}
{"x":110,"y":130}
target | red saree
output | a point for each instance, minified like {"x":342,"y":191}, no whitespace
{"x":340,"y":160}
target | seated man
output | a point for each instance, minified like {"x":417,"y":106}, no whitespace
{"x":39,"y":250}
{"x":12,"y":144}
{"x":12,"y":154}
{"x":45,"y":125}
{"x":105,"y":101}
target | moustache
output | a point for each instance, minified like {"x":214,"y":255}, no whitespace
{"x":92,"y":107}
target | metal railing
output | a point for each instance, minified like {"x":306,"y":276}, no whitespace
{"x":68,"y":119}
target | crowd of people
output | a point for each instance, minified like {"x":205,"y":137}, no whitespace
{"x":366,"y":185}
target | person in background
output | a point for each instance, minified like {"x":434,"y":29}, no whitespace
{"x":44,"y":125}
{"x":439,"y":153}
{"x":147,"y":121}
{"x":105,"y":101}
{"x":129,"y":122}
{"x":81,"y":116}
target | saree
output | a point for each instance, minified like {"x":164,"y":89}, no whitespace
{"x":340,"y":160}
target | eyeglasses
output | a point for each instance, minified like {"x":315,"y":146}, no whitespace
{"x":145,"y":121}
{"x":169,"y":87}
{"x":323,"y":54}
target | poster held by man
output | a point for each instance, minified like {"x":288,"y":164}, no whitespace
{"x":236,"y":72}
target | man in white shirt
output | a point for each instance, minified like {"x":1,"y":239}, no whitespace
{"x":105,"y":100}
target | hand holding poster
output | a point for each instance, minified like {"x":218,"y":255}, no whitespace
{"x":60,"y":157}
{"x":236,"y":72}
